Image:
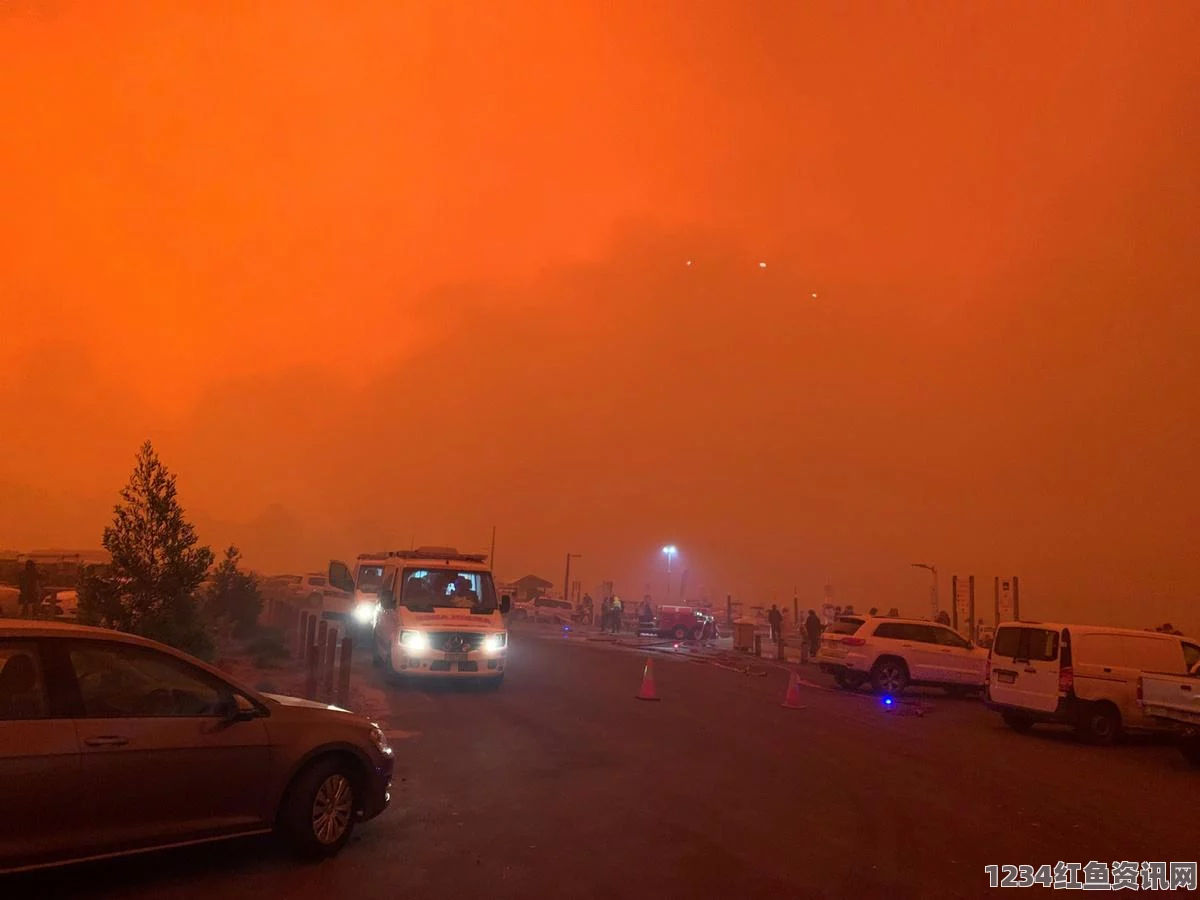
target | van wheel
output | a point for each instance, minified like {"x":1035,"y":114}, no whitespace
{"x":680,"y":633}
{"x":890,"y":676}
{"x":1100,"y":724}
{"x":1017,"y":723}
{"x":1190,"y":748}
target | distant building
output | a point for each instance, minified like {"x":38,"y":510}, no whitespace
{"x":528,"y":587}
{"x":58,"y":569}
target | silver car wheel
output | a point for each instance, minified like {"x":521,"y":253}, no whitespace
{"x":332,"y":807}
{"x":891,"y":679}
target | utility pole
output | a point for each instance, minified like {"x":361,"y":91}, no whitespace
{"x":567,"y":576}
{"x":933,"y":595}
{"x":492,"y":552}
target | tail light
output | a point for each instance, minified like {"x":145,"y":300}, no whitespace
{"x":1066,"y":680}
{"x":853,"y":641}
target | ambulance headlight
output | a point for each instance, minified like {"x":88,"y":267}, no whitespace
{"x":494,"y":643}
{"x":364,"y":613}
{"x":414,"y":641}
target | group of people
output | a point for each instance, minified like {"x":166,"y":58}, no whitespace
{"x":811,"y":628}
{"x":610,"y":614}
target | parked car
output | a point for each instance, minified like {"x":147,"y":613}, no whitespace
{"x":1080,"y":675}
{"x":552,"y":609}
{"x":891,"y":654}
{"x":1175,"y":701}
{"x":64,"y":604}
{"x":111,"y":744}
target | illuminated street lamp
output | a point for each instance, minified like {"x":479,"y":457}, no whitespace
{"x":934,"y":594}
{"x":669,"y":552}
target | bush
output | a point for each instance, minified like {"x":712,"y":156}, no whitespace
{"x":267,"y":650}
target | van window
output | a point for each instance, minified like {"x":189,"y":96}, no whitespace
{"x":1007,"y":643}
{"x":1043,"y":644}
{"x":1191,"y":656}
{"x":1033,"y":644}
{"x":1153,"y":654}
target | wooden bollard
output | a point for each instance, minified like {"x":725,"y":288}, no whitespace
{"x":331,"y":639}
{"x":344,"y":660}
{"x":302,"y":633}
{"x":312,"y":659}
{"x":322,"y":628}
{"x":310,"y":633}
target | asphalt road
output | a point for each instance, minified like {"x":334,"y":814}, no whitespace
{"x":562,"y":784}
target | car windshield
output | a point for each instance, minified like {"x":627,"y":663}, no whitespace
{"x":370,"y":578}
{"x":428,"y":589}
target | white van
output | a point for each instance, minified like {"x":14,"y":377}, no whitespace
{"x":438,"y":616}
{"x":1080,"y":675}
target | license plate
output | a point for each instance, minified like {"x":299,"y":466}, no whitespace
{"x":1006,"y":677}
{"x":456,"y":657}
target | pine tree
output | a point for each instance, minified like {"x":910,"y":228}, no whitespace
{"x":234,"y":594}
{"x":157,"y":564}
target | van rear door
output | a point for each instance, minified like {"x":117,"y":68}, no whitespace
{"x":1024,"y":667}
{"x":1147,"y":653}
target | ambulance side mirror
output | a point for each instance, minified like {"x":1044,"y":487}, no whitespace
{"x":505,"y":604}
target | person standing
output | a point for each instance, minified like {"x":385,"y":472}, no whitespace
{"x":616,"y":615}
{"x":31,"y":591}
{"x":775,"y":620}
{"x":812,"y":625}
{"x":605,"y":613}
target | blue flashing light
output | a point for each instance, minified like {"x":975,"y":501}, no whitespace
{"x":887,"y":701}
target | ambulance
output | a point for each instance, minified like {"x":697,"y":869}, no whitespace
{"x":435,"y":613}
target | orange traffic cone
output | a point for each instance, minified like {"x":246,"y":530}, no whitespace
{"x":792,"y":699}
{"x":648,"y":691}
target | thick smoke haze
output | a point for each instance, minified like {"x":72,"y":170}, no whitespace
{"x":405,"y":272}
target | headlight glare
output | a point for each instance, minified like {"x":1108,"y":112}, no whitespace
{"x":414,"y":641}
{"x":494,"y":643}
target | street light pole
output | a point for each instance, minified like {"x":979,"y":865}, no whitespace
{"x":669,"y":552}
{"x":567,"y":576}
{"x":934,"y":593}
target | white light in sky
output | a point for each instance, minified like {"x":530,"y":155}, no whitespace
{"x":762,"y":265}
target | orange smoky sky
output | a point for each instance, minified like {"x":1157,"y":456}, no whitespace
{"x":380,"y":271}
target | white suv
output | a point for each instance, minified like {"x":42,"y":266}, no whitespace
{"x":894,"y":653}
